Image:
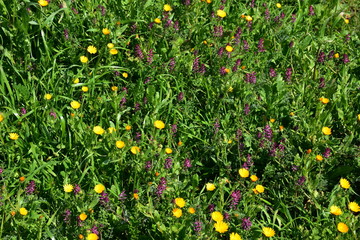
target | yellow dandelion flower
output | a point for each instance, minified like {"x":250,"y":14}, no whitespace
{"x":191,"y":210}
{"x":244,"y":173}
{"x":76,"y":80}
{"x":319,"y":158}
{"x":221,"y":13}
{"x":23,"y":211}
{"x":2,"y":117}
{"x":106,"y":31}
{"x":92,"y":236}
{"x":99,"y":188}
{"x":157,"y":20}
{"x":235,"y":236}
{"x":159,"y":124}
{"x":268,"y":232}
{"x":180,"y":202}
{"x":177,"y":212}
{"x":335,"y":210}
{"x":98,"y":130}
{"x":120,"y":144}
{"x":210,"y":187}
{"x":85,"y":89}
{"x":92,"y":49}
{"x":111,"y":129}
{"x":13,"y":136}
{"x":167,"y":8}
{"x":353,"y":206}
{"x":278,"y":5}
{"x":43,"y":3}
{"x":127,"y":127}
{"x":336,"y":55}
{"x":125,"y":74}
{"x":344,"y":183}
{"x":168,"y":150}
{"x":260,"y":188}
{"x":134,"y":150}
{"x":272,"y":120}
{"x":253,"y":178}
{"x":48,"y":96}
{"x":83,"y":217}
{"x":248,"y":18}
{"x":75,"y":104}
{"x":217,"y":216}
{"x":342,"y":227}
{"x":326,"y":130}
{"x":113,"y":51}
{"x":229,"y":48}
{"x":180,"y":143}
{"x":136,"y":196}
{"x":68,"y":188}
{"x":221,"y":227}
{"x":114,"y":88}
{"x":84,"y":59}
{"x":346,"y":21}
{"x":80,"y":236}
{"x":110,"y":45}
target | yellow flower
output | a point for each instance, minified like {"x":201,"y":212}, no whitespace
{"x":114,"y":88}
{"x":43,"y":3}
{"x":106,"y":31}
{"x":278,"y":5}
{"x":13,"y":136}
{"x":319,"y":158}
{"x":248,"y":18}
{"x":110,"y":45}
{"x":159,"y":124}
{"x":229,"y":48}
{"x":210,"y":187}
{"x":168,"y":150}
{"x":68,"y":188}
{"x":48,"y":96}
{"x":336,"y":55}
{"x":84,"y":59}
{"x":99,"y":188}
{"x":230,"y":89}
{"x":85,"y":89}
{"x":191,"y":210}
{"x":83,"y":217}
{"x":98,"y":130}
{"x":281,"y":128}
{"x":76,"y":80}
{"x":92,"y":236}
{"x":292,"y":114}
{"x":111,"y":129}
{"x":260,"y":188}
{"x":167,"y":8}
{"x":235,"y":236}
{"x":335,"y":210}
{"x":221,"y":227}
{"x":80,"y":236}
{"x":125,"y":74}
{"x":346,"y":21}
{"x":344,"y":183}
{"x":157,"y":20}
{"x":120,"y":144}
{"x":180,"y":143}
{"x":2,"y":117}
{"x":342,"y":227}
{"x":221,"y":13}
{"x":75,"y":104}
{"x":91,"y":49}
{"x":127,"y":127}
{"x":23,"y":211}
{"x":208,"y":1}
{"x":113,"y":51}
{"x":134,"y":150}
{"x":253,"y":178}
{"x":326,"y":130}
{"x":324,"y":100}
{"x":217,"y":216}
{"x":268,"y":232}
{"x":180,"y":202}
{"x":357,"y":116}
{"x":244,"y":173}
{"x":353,"y":206}
{"x":177,"y":212}
{"x":272,"y":120}
{"x":136,"y":196}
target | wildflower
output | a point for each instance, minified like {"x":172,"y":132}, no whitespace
{"x":221,"y":13}
{"x":77,"y":189}
{"x":191,"y":210}
{"x":83,"y":217}
{"x":221,"y":227}
{"x":92,"y":236}
{"x":85,"y":89}
{"x":217,"y":216}
{"x":43,"y":3}
{"x":259,"y":189}
{"x":22,"y":178}
{"x":335,"y":210}
{"x":197,"y":226}
{"x":344,"y":183}
{"x":311,"y":11}
{"x":98,"y":130}
{"x":281,"y":128}
{"x":246,"y":223}
{"x":157,"y":20}
{"x":180,"y":202}
{"x":244,"y":173}
{"x":84,"y":59}
{"x":268,"y":232}
{"x":177,"y":212}
{"x":103,"y":198}
{"x":321,"y":57}
{"x":122,"y":196}
{"x":319,"y":158}
{"x":187,"y":163}
{"x":261,"y":45}
{"x":346,"y":21}
{"x":167,"y":8}
{"x":111,"y":129}
{"x":161,"y":187}
{"x":168,"y":150}
{"x":248,"y":18}
{"x":106,"y":31}
{"x":120,"y":144}
{"x":235,"y":236}
{"x":2,"y":117}
{"x":110,"y":45}
{"x":30,"y":189}
{"x":321,"y":82}
{"x":91,"y":49}
{"x":13,"y":136}
{"x":250,"y":77}
{"x":68,"y":188}
{"x":23,"y":211}
{"x":326,"y":130}
{"x":67,"y":215}
{"x":99,"y":188}
{"x":345,"y":58}
{"x":125,"y":74}
{"x":114,"y":88}
{"x":229,"y":48}
{"x":159,"y":124}
{"x":288,"y":74}
{"x":136,"y":196}
{"x":48,"y":96}
{"x":113,"y":51}
{"x":342,"y":227}
{"x":134,"y":150}
{"x":278,"y":5}
{"x":75,"y":104}
{"x":168,"y":163}
{"x":253,"y":178}
{"x":353,"y":206}
{"x":336,"y":55}
{"x":301,"y":181}
{"x":80,"y":236}
{"x":210,"y":187}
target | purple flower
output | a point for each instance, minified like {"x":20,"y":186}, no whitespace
{"x":161,"y":187}
{"x":151,"y":25}
{"x":216,"y":126}
{"x":248,"y":162}
{"x":180,"y":96}
{"x":237,"y":35}
{"x":23,"y":111}
{"x":246,"y":45}
{"x":268,"y":132}
{"x":291,"y":44}
{"x":122,"y":196}
{"x":267,"y":14}
{"x":123,"y":102}
{"x":147,"y":80}
{"x":30,"y":189}
{"x":261,"y":45}
{"x":104,"y":199}
{"x":197,"y":226}
{"x":331,"y":54}
{"x":196,"y":65}
{"x":102,"y":9}
{"x":301,"y":181}
{"x":138,"y":51}
{"x":66,"y":34}
{"x":168,"y":163}
{"x":321,"y":57}
{"x":345,"y":59}
{"x":74,"y":10}
{"x":282,"y":15}
{"x":226,"y":216}
{"x":211,"y":207}
{"x":347,"y":38}
{"x":95,"y":230}
{"x":272,"y":72}
{"x":53,"y":114}
{"x":174,"y":129}
{"x":238,"y":134}
{"x":148,"y":166}
{"x":133,"y":28}
{"x":172,"y":64}
{"x":137,"y":136}
{"x":150,"y":56}
{"x":327,"y":153}
{"x":246,"y":223}
{"x":186,"y":2}
{"x":235,"y":198}
{"x":294,"y":168}
{"x":247,"y":109}
{"x":221,"y":51}
{"x":288,"y":74}
{"x":187,"y":163}
{"x":250,"y":77}
{"x":222,"y":71}
{"x":67,"y":215}
{"x":311,"y":11}
{"x":293,"y":18}
{"x":1,"y":170}
{"x":252,"y":4}
{"x":322,"y":82}
{"x":77,"y":189}
{"x":202,"y":69}
{"x":176,"y":25}
{"x":218,"y":31}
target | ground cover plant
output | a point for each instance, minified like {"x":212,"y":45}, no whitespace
{"x":191,"y":119}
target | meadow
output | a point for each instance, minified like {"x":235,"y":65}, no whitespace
{"x":179,"y":119}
